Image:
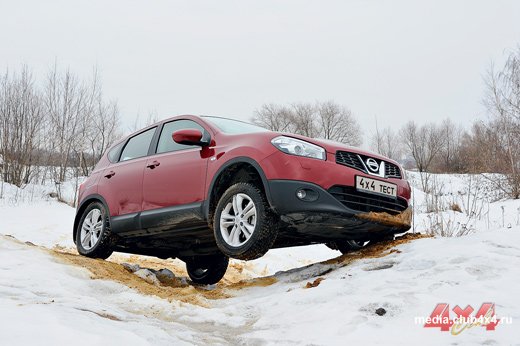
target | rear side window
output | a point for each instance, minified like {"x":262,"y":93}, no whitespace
{"x":166,"y":142}
{"x":113,"y":154}
{"x":137,"y":146}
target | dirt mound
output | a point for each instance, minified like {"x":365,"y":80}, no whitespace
{"x":177,"y":289}
{"x":170,"y":290}
{"x":237,"y":271}
{"x":376,"y":250}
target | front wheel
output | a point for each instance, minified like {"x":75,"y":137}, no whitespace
{"x":244,"y":225}
{"x":93,"y":236}
{"x":207,"y":270}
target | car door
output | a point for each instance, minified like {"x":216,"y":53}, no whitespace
{"x":174,"y":179}
{"x":121,"y":183}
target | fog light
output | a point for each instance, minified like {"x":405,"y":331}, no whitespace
{"x":301,"y":194}
{"x":307,"y":194}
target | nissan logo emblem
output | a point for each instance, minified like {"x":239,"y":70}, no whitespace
{"x":372,"y":165}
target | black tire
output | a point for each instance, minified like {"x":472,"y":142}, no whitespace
{"x":347,"y":246}
{"x":103,"y":246}
{"x":264,"y":227}
{"x":207,"y":270}
{"x":388,"y":237}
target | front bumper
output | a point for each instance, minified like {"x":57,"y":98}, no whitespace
{"x":323,"y":215}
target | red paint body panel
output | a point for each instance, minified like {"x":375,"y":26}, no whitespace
{"x":179,"y":179}
{"x":123,"y":192}
{"x":89,"y":186}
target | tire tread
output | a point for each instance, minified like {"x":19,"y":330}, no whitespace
{"x":265,"y":235}
{"x":104,"y":247}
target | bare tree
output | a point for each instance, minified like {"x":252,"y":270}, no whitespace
{"x":326,"y":120}
{"x":275,"y":118}
{"x":20,"y":126}
{"x":58,"y":129}
{"x":450,"y":152}
{"x":65,"y":106}
{"x":337,"y":123}
{"x":503,"y":102}
{"x":478,"y":149}
{"x":387,"y":143}
{"x":304,"y":119}
{"x":81,"y":124}
{"x":423,"y":144}
{"x":99,"y":127}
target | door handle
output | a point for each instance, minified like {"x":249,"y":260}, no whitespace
{"x":153,"y":164}
{"x":110,"y":174}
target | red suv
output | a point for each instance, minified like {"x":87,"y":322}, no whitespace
{"x":204,"y":189}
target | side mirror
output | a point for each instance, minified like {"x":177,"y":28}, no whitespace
{"x":189,"y":137}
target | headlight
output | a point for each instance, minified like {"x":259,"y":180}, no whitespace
{"x":298,"y":147}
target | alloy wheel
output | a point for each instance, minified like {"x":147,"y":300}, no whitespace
{"x":91,"y":229}
{"x":238,"y":220}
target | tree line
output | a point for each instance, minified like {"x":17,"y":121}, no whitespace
{"x":327,"y":120}
{"x":47,"y":129}
{"x":491,"y":145}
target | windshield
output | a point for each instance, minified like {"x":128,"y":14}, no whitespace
{"x":234,"y":127}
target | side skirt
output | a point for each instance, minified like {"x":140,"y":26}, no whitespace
{"x":160,"y":220}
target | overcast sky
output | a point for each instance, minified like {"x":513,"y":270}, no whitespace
{"x":394,"y":60}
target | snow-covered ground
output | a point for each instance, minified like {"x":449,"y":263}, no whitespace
{"x":48,"y":296}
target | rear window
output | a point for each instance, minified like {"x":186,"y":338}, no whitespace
{"x":138,"y":146}
{"x":113,"y":154}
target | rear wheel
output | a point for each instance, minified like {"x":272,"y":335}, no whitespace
{"x":207,"y":270}
{"x":93,"y":236}
{"x":244,"y":224}
{"x":346,"y":246}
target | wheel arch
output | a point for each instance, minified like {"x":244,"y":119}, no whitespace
{"x":83,"y":205}
{"x":225,"y":174}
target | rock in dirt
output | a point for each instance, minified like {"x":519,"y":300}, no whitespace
{"x":380,"y":311}
{"x":132,"y":268}
{"x":148,"y":276}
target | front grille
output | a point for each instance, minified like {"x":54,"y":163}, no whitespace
{"x":392,"y":171}
{"x":355,"y":161}
{"x":350,"y":159}
{"x":366,"y":202}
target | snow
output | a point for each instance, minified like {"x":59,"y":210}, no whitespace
{"x":46,"y":223}
{"x":48,"y":301}
{"x":32,"y":215}
{"x":483,"y":207}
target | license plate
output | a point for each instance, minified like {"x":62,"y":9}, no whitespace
{"x":376,"y":186}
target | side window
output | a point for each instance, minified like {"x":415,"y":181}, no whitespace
{"x":113,"y":154}
{"x":166,"y":142}
{"x":137,"y":146}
